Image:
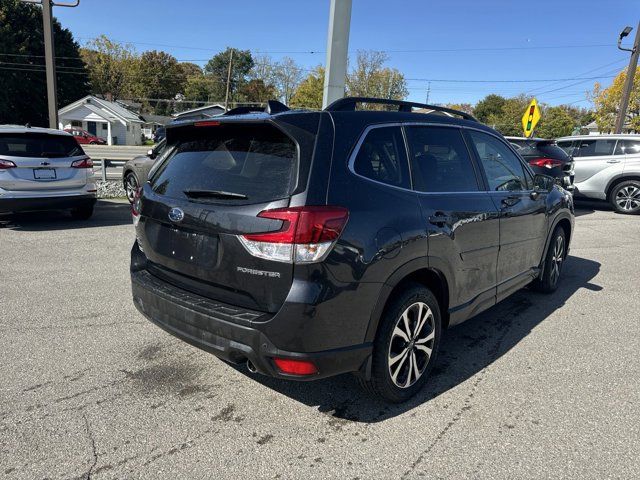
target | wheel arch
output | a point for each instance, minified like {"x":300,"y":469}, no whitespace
{"x":619,"y":179}
{"x":417,"y":271}
{"x":563,"y":221}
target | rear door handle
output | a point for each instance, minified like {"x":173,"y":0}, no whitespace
{"x":441,"y":219}
{"x":614,"y":160}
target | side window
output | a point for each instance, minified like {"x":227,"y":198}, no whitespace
{"x":568,"y":147}
{"x":439,"y":160}
{"x":628,"y":147}
{"x":503,"y":168}
{"x":383,"y":158}
{"x":595,"y":148}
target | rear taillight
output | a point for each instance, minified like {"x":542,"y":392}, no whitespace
{"x":6,"y":164}
{"x":306,"y":236}
{"x":295,"y":367}
{"x":82,"y":163}
{"x":545,"y":162}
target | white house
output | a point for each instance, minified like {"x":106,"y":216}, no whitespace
{"x":200,"y":113}
{"x":103,"y":118}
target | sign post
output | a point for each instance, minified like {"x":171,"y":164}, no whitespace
{"x":530,"y":118}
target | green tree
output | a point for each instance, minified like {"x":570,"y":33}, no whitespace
{"x":607,"y":103}
{"x":190,"y":69}
{"x":241,"y":64}
{"x":462,"y":107}
{"x":256,"y":91}
{"x":370,"y":78}
{"x":508,"y":120}
{"x":309,"y":92}
{"x":158,"y":76}
{"x":491,"y":105}
{"x":112,"y":67}
{"x":23,"y":97}
{"x":203,"y":88}
{"x":555,"y":122}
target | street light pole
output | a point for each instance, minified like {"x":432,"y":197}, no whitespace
{"x":337,"y":51}
{"x":226,"y":96}
{"x":50,"y":55}
{"x":631,"y":72}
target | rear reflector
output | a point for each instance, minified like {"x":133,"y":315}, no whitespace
{"x":83,"y":163}
{"x":295,"y":367}
{"x":207,"y":123}
{"x":6,"y":164}
{"x":545,"y":162}
{"x":305,"y":236}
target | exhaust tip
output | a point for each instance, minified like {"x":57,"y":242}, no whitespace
{"x":251,"y":367}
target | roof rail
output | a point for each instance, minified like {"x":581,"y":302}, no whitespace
{"x":273,"y":107}
{"x":349,"y":104}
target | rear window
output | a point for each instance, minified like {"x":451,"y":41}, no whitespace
{"x":39,"y":145}
{"x":233,"y":163}
{"x":542,"y":149}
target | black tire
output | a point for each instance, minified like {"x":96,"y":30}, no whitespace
{"x":82,"y":213}
{"x":625,"y":197}
{"x":130,"y":184}
{"x":553,"y":261}
{"x":388,"y":345}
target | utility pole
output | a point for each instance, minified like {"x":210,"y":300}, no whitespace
{"x":428,"y":92}
{"x":226,"y":97}
{"x":50,"y":55}
{"x":631,"y":72}
{"x":337,"y":51}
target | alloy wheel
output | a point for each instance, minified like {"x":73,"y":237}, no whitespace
{"x":411,"y":345}
{"x":557,"y":259}
{"x":628,"y":198}
{"x":131,"y":186}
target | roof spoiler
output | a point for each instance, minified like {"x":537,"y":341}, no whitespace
{"x":273,"y":107}
{"x":349,"y":104}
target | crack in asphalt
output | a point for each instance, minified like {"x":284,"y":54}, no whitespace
{"x":493,"y":355}
{"x":93,"y":446}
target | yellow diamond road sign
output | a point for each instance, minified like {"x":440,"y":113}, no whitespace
{"x":530,"y":118}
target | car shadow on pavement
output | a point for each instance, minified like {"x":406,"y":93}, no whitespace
{"x":107,"y":213}
{"x":466,"y":351}
{"x":588,"y":206}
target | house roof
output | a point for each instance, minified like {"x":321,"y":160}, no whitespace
{"x":159,"y":119}
{"x":104,"y":108}
{"x":199,"y":109}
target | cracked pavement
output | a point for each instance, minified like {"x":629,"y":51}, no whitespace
{"x":538,"y":386}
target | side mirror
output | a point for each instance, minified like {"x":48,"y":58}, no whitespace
{"x":543,"y":183}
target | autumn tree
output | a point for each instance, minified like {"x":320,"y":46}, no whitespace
{"x":607,"y":103}
{"x":370,"y":78}
{"x":158,"y":75}
{"x":309,"y":92}
{"x":23,"y":91}
{"x":256,"y":91}
{"x":112,"y":66}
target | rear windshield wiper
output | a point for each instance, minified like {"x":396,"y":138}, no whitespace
{"x":214,"y":194}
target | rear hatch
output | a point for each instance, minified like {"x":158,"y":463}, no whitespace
{"x":546,"y":149}
{"x":208,"y":190}
{"x":43,"y":162}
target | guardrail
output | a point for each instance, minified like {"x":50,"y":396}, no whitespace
{"x":112,"y":156}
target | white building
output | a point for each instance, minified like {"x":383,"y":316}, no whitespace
{"x":109,"y":120}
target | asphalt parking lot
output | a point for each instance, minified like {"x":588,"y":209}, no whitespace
{"x":538,"y":386}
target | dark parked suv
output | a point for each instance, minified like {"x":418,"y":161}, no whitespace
{"x":309,"y":244}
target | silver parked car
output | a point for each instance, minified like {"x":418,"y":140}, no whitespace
{"x":607,"y":167}
{"x":44,"y":169}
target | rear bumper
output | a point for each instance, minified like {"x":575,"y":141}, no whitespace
{"x":231,"y":333}
{"x":23,"y":204}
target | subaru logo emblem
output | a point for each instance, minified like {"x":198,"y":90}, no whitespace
{"x":176,"y":214}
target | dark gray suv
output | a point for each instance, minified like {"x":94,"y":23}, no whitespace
{"x":309,"y":244}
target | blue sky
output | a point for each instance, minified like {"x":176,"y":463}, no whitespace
{"x":467,"y":49}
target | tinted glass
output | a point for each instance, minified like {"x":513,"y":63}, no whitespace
{"x":440,"y":161}
{"x":542,"y":149}
{"x":595,"y":148}
{"x":382,"y":157}
{"x":568,"y":146}
{"x":39,"y":145}
{"x":259,"y":162}
{"x":628,"y":147}
{"x":502,"y":167}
